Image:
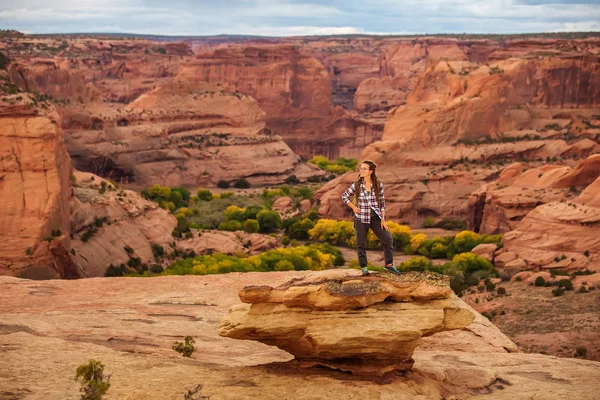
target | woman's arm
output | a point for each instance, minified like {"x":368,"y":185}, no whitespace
{"x":346,"y":198}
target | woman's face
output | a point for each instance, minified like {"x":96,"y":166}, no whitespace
{"x":364,"y":170}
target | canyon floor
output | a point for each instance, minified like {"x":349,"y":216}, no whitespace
{"x":48,"y":328}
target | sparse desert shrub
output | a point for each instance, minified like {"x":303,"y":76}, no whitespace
{"x":566,"y":284}
{"x":156,"y":269}
{"x":539,"y":281}
{"x":284,"y":265}
{"x":186,"y":349}
{"x":292,"y":180}
{"x":204,"y":194}
{"x":94,"y":384}
{"x":558,"y":292}
{"x":157,"y":250}
{"x":518,"y":279}
{"x":429,"y":222}
{"x":230,"y":226}
{"x":501,"y":291}
{"x":268,"y":221}
{"x":488,"y":316}
{"x":583,"y":289}
{"x":580,"y":352}
{"x":223,"y":184}
{"x":251,"y":226}
{"x":242,"y":183}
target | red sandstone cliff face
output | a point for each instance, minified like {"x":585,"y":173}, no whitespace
{"x":35,"y":186}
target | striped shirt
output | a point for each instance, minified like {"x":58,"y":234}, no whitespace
{"x":366,"y":202}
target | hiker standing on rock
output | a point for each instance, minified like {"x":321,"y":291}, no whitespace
{"x":365,"y":198}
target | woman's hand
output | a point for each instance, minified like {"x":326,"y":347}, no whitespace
{"x":384,"y":225}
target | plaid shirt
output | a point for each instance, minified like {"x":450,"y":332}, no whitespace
{"x":366,"y":202}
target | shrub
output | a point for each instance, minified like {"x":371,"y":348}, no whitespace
{"x":292,"y":180}
{"x":284,"y":265}
{"x":94,"y":384}
{"x":582,"y":289}
{"x":223,"y":184}
{"x":471,"y":262}
{"x":56,"y":232}
{"x":299,"y":229}
{"x":157,"y":250}
{"x":489,"y":286}
{"x":234,"y":213}
{"x":226,"y":195}
{"x":268,"y":221}
{"x":242,"y":183}
{"x":539,"y":281}
{"x":285,"y":240}
{"x":4,"y":60}
{"x":230,"y":226}
{"x":586,"y":253}
{"x":580,"y":352}
{"x":251,"y":226}
{"x":128,"y":250}
{"x":429,"y":222}
{"x":518,"y":279}
{"x":488,"y":316}
{"x":115,"y":271}
{"x":186,"y":349}
{"x":313,"y":257}
{"x":501,"y":291}
{"x":204,"y":194}
{"x":565,"y":283}
{"x":465,"y":241}
{"x":558,"y":292}
{"x":417,"y":240}
{"x":451,"y":224}
{"x":156,"y":269}
{"x":416,"y":264}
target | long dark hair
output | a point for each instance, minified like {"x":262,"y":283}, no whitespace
{"x":372,"y":167}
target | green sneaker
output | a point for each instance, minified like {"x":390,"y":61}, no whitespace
{"x":391,"y":269}
{"x":365,"y":271}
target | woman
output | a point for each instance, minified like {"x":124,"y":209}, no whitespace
{"x":365,"y":198}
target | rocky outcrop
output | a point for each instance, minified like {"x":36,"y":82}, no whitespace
{"x":342,"y":321}
{"x":130,"y":325}
{"x":110,"y":225}
{"x":185,"y":133}
{"x":232,"y":243}
{"x":547,"y":222}
{"x":35,"y":188}
{"x":499,"y":206}
{"x":462,"y":120}
{"x":561,"y":234}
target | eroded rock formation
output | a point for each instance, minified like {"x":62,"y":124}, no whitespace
{"x":35,"y":187}
{"x":343,"y":322}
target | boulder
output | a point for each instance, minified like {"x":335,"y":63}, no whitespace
{"x":343,"y":321}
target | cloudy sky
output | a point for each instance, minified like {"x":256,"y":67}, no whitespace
{"x":299,"y":17}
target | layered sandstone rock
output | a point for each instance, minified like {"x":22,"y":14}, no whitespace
{"x":461,"y":120}
{"x":130,"y":324}
{"x":35,"y":188}
{"x":560,"y":234}
{"x":183,"y":134}
{"x":341,"y":321}
{"x":110,"y":225}
{"x":232,"y":243}
{"x":547,"y":222}
{"x":499,"y":206}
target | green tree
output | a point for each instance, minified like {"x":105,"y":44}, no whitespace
{"x":93,"y":382}
{"x":204,"y":194}
{"x":268,"y":221}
